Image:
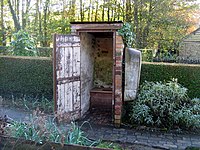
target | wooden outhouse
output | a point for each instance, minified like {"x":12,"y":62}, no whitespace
{"x":88,"y":70}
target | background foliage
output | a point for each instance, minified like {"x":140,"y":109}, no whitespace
{"x":155,"y":25}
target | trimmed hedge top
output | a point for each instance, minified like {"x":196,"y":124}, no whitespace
{"x":187,"y":74}
{"x":26,"y":75}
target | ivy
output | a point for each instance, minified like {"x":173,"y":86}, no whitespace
{"x":128,"y":35}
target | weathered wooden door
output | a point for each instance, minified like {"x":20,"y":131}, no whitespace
{"x":67,"y":75}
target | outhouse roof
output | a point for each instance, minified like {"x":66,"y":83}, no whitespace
{"x":95,"y":26}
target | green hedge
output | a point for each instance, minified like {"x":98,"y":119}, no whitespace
{"x":187,"y":75}
{"x":26,"y":75}
{"x":34,"y":75}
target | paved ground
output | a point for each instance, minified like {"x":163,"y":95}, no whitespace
{"x":107,"y":132}
{"x":152,"y":139}
{"x":103,"y":129}
{"x":14,"y":114}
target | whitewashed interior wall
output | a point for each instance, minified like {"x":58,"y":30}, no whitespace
{"x":103,"y":63}
{"x":87,"y":66}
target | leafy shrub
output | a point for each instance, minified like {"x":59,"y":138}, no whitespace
{"x":165,"y":105}
{"x":23,"y":44}
{"x":188,"y":117}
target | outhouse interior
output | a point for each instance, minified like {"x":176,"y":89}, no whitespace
{"x":96,"y":70}
{"x":101,"y":51}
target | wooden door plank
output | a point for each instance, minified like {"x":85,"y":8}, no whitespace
{"x":68,"y":74}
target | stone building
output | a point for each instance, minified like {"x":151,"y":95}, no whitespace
{"x":190,"y":46}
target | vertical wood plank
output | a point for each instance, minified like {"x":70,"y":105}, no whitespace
{"x":68,"y":73}
{"x":66,"y":97}
{"x":62,"y":97}
{"x":58,"y":97}
{"x":70,"y":97}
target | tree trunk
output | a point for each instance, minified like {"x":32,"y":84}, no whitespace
{"x":81,"y":10}
{"x":96,"y":12}
{"x":92,"y":15}
{"x":40,"y":23}
{"x":103,"y":9}
{"x":73,"y":11}
{"x":27,"y":21}
{"x":123,"y":8}
{"x":16,"y":21}
{"x":45,"y":42}
{"x":36,"y":15}
{"x":128,"y":10}
{"x":108,"y":13}
{"x":16,"y":8}
{"x":146,"y":29}
{"x":63,"y":15}
{"x":23,"y":14}
{"x":3,"y":42}
{"x":115,"y":11}
{"x":89,"y":11}
{"x":136,"y":23}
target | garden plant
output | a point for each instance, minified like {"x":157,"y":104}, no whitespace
{"x":165,"y":105}
{"x":41,"y":129}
